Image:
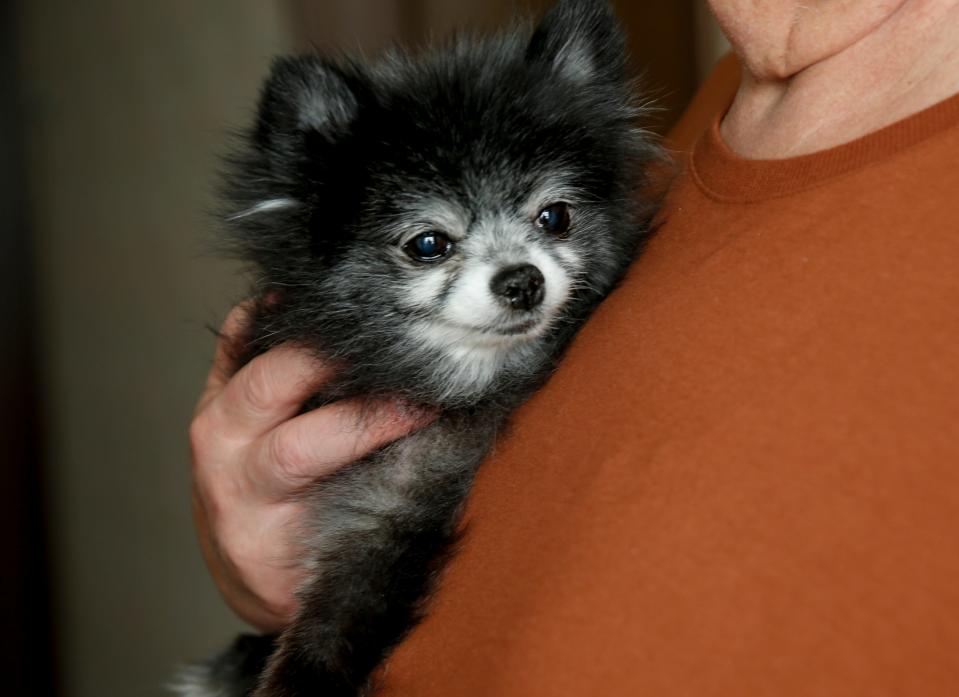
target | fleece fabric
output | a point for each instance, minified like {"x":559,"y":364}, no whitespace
{"x":744,"y":477}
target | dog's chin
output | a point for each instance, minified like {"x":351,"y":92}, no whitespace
{"x":494,"y":337}
{"x":527,"y":329}
{"x":505,"y":334}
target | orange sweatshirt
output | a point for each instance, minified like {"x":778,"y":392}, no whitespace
{"x":744,"y":477}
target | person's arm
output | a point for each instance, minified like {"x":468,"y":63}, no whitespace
{"x":252,"y":453}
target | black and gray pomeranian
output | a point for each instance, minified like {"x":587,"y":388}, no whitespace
{"x":438,"y":226}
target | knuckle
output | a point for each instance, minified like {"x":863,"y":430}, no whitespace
{"x":286,"y":454}
{"x":259,"y":384}
{"x":201,"y":433}
{"x":220,"y":497}
{"x":239,"y":539}
{"x":281,"y":606}
{"x":234,"y":551}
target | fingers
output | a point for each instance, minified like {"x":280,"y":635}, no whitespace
{"x":232,"y":331}
{"x":252,"y":453}
{"x":321,"y":441}
{"x":230,"y":334}
{"x":267,"y":391}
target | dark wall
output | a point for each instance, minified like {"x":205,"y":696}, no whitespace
{"x":128,"y":106}
{"x":25,"y":647}
{"x":662,"y":39}
{"x":662,"y":35}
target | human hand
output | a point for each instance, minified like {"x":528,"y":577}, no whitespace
{"x":253,"y":453}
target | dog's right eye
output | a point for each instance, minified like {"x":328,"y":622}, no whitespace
{"x":429,"y":247}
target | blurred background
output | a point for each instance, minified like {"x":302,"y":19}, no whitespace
{"x":112,"y":116}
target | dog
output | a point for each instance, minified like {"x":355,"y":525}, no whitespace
{"x":438,"y":226}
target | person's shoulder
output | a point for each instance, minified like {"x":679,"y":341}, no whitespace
{"x":713,"y":97}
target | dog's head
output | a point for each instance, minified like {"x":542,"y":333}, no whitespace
{"x":441,"y":221}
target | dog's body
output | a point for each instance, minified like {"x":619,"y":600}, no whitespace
{"x":438,"y":227}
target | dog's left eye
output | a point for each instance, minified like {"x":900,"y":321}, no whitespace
{"x":429,"y":247}
{"x":555,"y":219}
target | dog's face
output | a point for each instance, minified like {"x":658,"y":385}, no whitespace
{"x":480,"y":277}
{"x":437,"y":222}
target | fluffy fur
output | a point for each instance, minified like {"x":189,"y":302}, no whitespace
{"x":348,"y":165}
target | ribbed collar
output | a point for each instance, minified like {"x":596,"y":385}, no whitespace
{"x":725,"y":176}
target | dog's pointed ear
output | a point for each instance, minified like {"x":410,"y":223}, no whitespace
{"x":304,"y":97}
{"x":582,"y":40}
{"x":298,"y":149}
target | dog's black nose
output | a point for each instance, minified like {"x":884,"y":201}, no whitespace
{"x":519,"y":287}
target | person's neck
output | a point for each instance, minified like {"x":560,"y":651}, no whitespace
{"x":835,"y":71}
